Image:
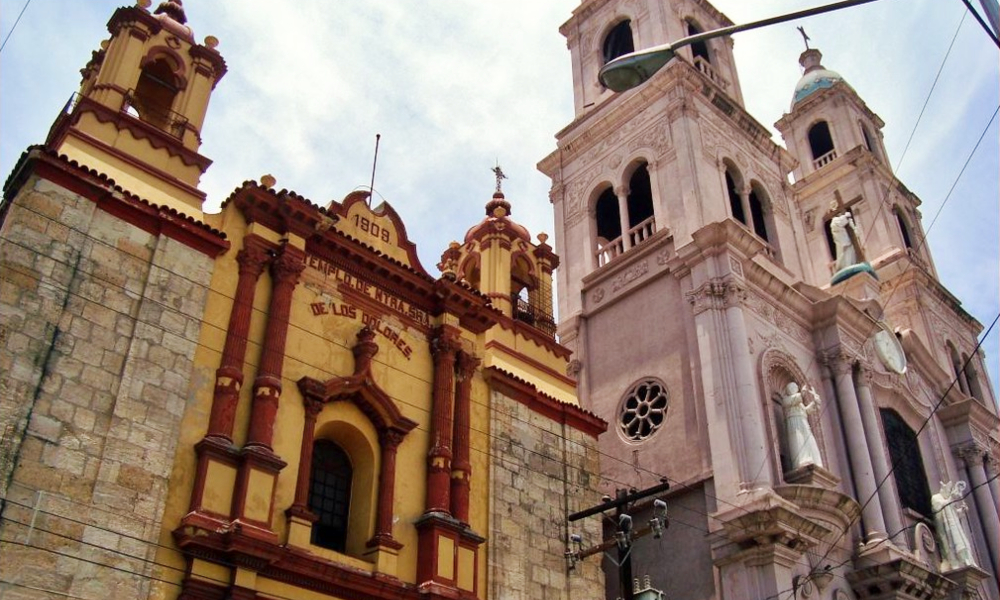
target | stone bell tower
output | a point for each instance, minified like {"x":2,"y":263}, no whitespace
{"x":106,"y":263}
{"x":141,"y":106}
{"x":697,"y":287}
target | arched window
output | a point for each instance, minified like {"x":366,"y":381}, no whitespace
{"x":618,"y":41}
{"x":972,"y":379}
{"x":640,"y":205}
{"x":698,"y":49}
{"x":735,"y":202}
{"x":155,"y":93}
{"x":820,"y":140}
{"x":904,"y":229}
{"x":757,"y":213}
{"x":609,"y":223}
{"x":908,"y":465}
{"x":330,"y":495}
{"x":869,"y":139}
{"x":956,"y":366}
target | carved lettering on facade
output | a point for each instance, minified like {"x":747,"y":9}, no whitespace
{"x":390,"y":301}
{"x":343,"y":309}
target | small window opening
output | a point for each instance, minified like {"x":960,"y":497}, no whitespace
{"x":698,"y":49}
{"x":757,"y":213}
{"x":735,"y":203}
{"x":618,"y":42}
{"x":155,"y":93}
{"x":956,"y":367}
{"x":609,"y":224}
{"x":904,"y":230}
{"x":911,"y":479}
{"x":640,"y":197}
{"x":330,"y":495}
{"x":820,"y":140}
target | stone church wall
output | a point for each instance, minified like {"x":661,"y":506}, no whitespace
{"x":100,"y":322}
{"x":534,"y":460}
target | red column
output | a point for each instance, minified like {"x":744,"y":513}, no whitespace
{"x":444,"y":347}
{"x":229,"y":377}
{"x":285,"y":272}
{"x":300,"y":507}
{"x":461,"y":466}
{"x":389,"y":441}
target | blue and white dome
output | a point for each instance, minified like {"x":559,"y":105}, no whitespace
{"x":815,"y":77}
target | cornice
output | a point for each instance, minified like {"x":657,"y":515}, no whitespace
{"x":114,"y":199}
{"x":526,"y":393}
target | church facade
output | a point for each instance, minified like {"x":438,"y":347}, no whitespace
{"x":796,"y":371}
{"x":275,"y":401}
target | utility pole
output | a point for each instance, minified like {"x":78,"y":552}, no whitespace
{"x":625,"y":534}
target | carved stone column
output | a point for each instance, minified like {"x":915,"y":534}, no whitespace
{"x":285,"y":271}
{"x":880,"y":461}
{"x":461,"y":465}
{"x":229,"y":377}
{"x":732,"y":398}
{"x":859,"y":452}
{"x":974,"y":458}
{"x":444,"y":348}
{"x":622,"y":193}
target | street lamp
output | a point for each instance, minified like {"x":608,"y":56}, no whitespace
{"x":629,"y":70}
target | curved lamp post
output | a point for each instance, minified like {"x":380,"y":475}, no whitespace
{"x":629,"y":70}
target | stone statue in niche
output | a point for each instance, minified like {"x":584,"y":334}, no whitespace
{"x":948,"y":506}
{"x":802,"y":447}
{"x":846,"y":234}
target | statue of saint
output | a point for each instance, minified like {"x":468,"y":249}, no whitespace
{"x":948,"y":506}
{"x":802,"y":447}
{"x":846,"y":238}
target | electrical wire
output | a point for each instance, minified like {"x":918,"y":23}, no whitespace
{"x":487,"y":452}
{"x":14,"y":26}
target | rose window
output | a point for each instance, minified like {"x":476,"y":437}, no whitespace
{"x":643,"y":410}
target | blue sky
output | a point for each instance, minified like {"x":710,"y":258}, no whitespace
{"x":455,"y":85}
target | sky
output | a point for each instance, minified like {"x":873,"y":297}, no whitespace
{"x":457,"y":86}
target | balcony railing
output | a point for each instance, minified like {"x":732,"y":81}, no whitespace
{"x":164,"y":119}
{"x":607,"y":251}
{"x":526,"y":313}
{"x":825,"y":159}
{"x":642,"y":232}
{"x":709,"y":71}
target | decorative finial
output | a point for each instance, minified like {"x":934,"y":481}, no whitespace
{"x":499,"y":175}
{"x":805,"y":38}
{"x":268,"y":180}
{"x":173,"y":9}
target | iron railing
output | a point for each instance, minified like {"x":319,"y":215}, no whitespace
{"x":163,"y":119}
{"x":523,"y":311}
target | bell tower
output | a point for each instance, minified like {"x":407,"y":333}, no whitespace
{"x":141,"y":106}
{"x":842,"y":160}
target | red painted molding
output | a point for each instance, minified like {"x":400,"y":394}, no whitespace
{"x":141,"y":130}
{"x":115,"y":200}
{"x":527,"y":359}
{"x":543,"y":404}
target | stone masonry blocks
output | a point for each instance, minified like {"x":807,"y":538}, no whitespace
{"x":106,"y":318}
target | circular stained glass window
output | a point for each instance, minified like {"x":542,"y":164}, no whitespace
{"x":643,"y":410}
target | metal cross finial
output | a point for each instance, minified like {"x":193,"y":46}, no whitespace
{"x":499,"y":174}
{"x":805,"y":38}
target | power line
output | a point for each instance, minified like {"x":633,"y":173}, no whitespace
{"x":488,"y":452}
{"x":14,"y":26}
